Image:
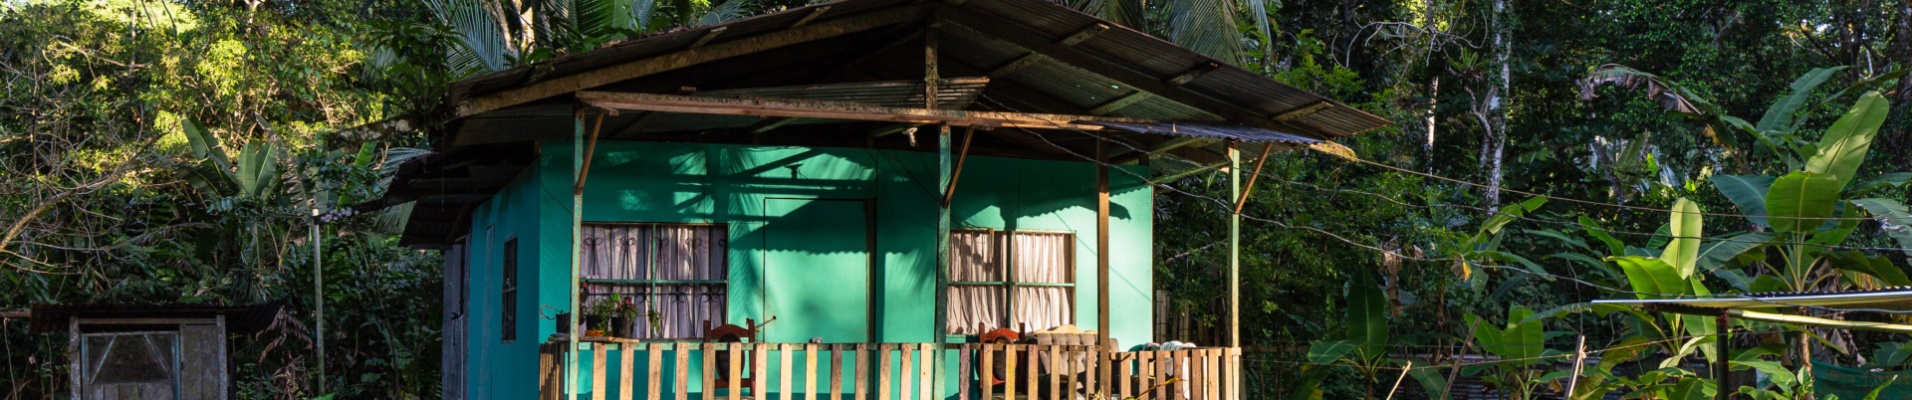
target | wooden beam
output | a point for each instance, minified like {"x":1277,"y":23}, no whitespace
{"x":707,"y":37}
{"x":812,"y":16}
{"x":961,"y":156}
{"x":1083,"y":35}
{"x":1024,"y":62}
{"x":1013,"y":34}
{"x":1303,"y":111}
{"x":1119,"y":102}
{"x":636,"y":125}
{"x":1190,"y":171}
{"x":1189,"y":76}
{"x":1167,"y":145}
{"x":891,"y":129}
{"x":768,"y":124}
{"x":686,"y":58}
{"x":1102,"y":323}
{"x":1266,"y":150}
{"x":838,"y":110}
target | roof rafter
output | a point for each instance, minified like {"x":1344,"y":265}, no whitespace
{"x":687,"y":58}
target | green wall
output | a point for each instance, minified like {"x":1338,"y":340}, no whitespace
{"x":750,"y":188}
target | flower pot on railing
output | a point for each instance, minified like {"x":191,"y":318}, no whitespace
{"x":621,"y":327}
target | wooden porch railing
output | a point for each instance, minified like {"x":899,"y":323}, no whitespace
{"x":887,"y":371}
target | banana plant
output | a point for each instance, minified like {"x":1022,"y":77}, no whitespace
{"x":1520,"y":345}
{"x":1362,"y":346}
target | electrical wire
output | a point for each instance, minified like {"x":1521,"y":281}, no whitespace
{"x":1226,"y":205}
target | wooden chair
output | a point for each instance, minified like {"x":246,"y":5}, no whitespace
{"x":993,"y":380}
{"x":731,"y":333}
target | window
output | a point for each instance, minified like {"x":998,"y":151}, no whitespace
{"x":674,"y":275}
{"x":510,"y":293}
{"x":1037,"y":289}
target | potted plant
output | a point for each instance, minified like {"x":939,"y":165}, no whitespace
{"x":597,"y":317}
{"x":624,"y":314}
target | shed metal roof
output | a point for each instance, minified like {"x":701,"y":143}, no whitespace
{"x":1026,"y":56}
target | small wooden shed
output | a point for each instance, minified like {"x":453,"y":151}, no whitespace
{"x":149,"y":352}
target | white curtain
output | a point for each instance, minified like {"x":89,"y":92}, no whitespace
{"x":978,"y":256}
{"x":660,"y":252}
{"x":1044,"y":258}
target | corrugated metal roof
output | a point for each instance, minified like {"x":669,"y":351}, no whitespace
{"x":1241,"y":133}
{"x":1892,"y":298}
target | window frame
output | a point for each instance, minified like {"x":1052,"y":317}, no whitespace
{"x":648,"y":286}
{"x":1006,"y":251}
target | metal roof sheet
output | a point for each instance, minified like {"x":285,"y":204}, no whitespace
{"x":1892,"y":298}
{"x":1225,"y":132}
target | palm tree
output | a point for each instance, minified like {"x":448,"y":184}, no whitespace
{"x":492,"y":35}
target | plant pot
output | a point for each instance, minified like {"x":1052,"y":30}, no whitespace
{"x":592,"y":322}
{"x":621,"y":327}
{"x":593,"y":333}
{"x":564,"y":323}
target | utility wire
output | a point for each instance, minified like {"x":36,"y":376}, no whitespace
{"x":1226,"y":205}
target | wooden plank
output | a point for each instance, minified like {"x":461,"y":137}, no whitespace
{"x":962,"y":371}
{"x":597,"y":371}
{"x":1119,"y":102}
{"x":1213,"y":364}
{"x":1016,"y":35}
{"x":1083,"y":35}
{"x":925,"y":387}
{"x":1068,"y":368}
{"x":654,"y":376}
{"x":759,"y":371}
{"x":883,"y":371}
{"x":544,"y":371}
{"x":1009,"y":371}
{"x":862,"y":375}
{"x":1124,"y":377}
{"x":686,"y":58}
{"x":1032,"y":370}
{"x":1055,"y":369}
{"x":1198,"y":375}
{"x":1023,"y":62}
{"x":987,"y":375}
{"x":904,"y":372}
{"x":708,"y":36}
{"x":626,"y":376}
{"x":709,"y":380}
{"x":836,"y":372}
{"x":680,"y":372}
{"x":843,"y":110}
{"x":814,"y":13}
{"x":1160,"y":372}
{"x":1189,"y":76}
{"x":789,"y":374}
{"x":1104,"y":363}
{"x":1182,"y":366}
{"x":810,"y":372}
{"x":734,"y":372}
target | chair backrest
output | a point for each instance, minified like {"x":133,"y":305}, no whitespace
{"x":731,"y":333}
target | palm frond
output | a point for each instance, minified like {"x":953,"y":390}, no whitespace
{"x":480,"y":46}
{"x":728,"y":11}
{"x":1207,"y":27}
{"x":1127,"y":13}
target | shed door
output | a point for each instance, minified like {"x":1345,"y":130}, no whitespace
{"x":816,"y":271}
{"x":130,"y":366}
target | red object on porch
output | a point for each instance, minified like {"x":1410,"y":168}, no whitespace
{"x":731,"y":333}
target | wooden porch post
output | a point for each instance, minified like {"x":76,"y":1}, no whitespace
{"x":937,"y":333}
{"x":577,"y":213}
{"x":1102,"y":322}
{"x":1234,"y":260}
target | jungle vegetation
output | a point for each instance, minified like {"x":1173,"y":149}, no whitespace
{"x":1544,"y":154}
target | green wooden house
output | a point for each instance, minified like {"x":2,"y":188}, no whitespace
{"x":794,"y":173}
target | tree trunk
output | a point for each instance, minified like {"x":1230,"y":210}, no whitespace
{"x":1494,"y":141}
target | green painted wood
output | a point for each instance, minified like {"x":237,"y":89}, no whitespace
{"x":816,"y":271}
